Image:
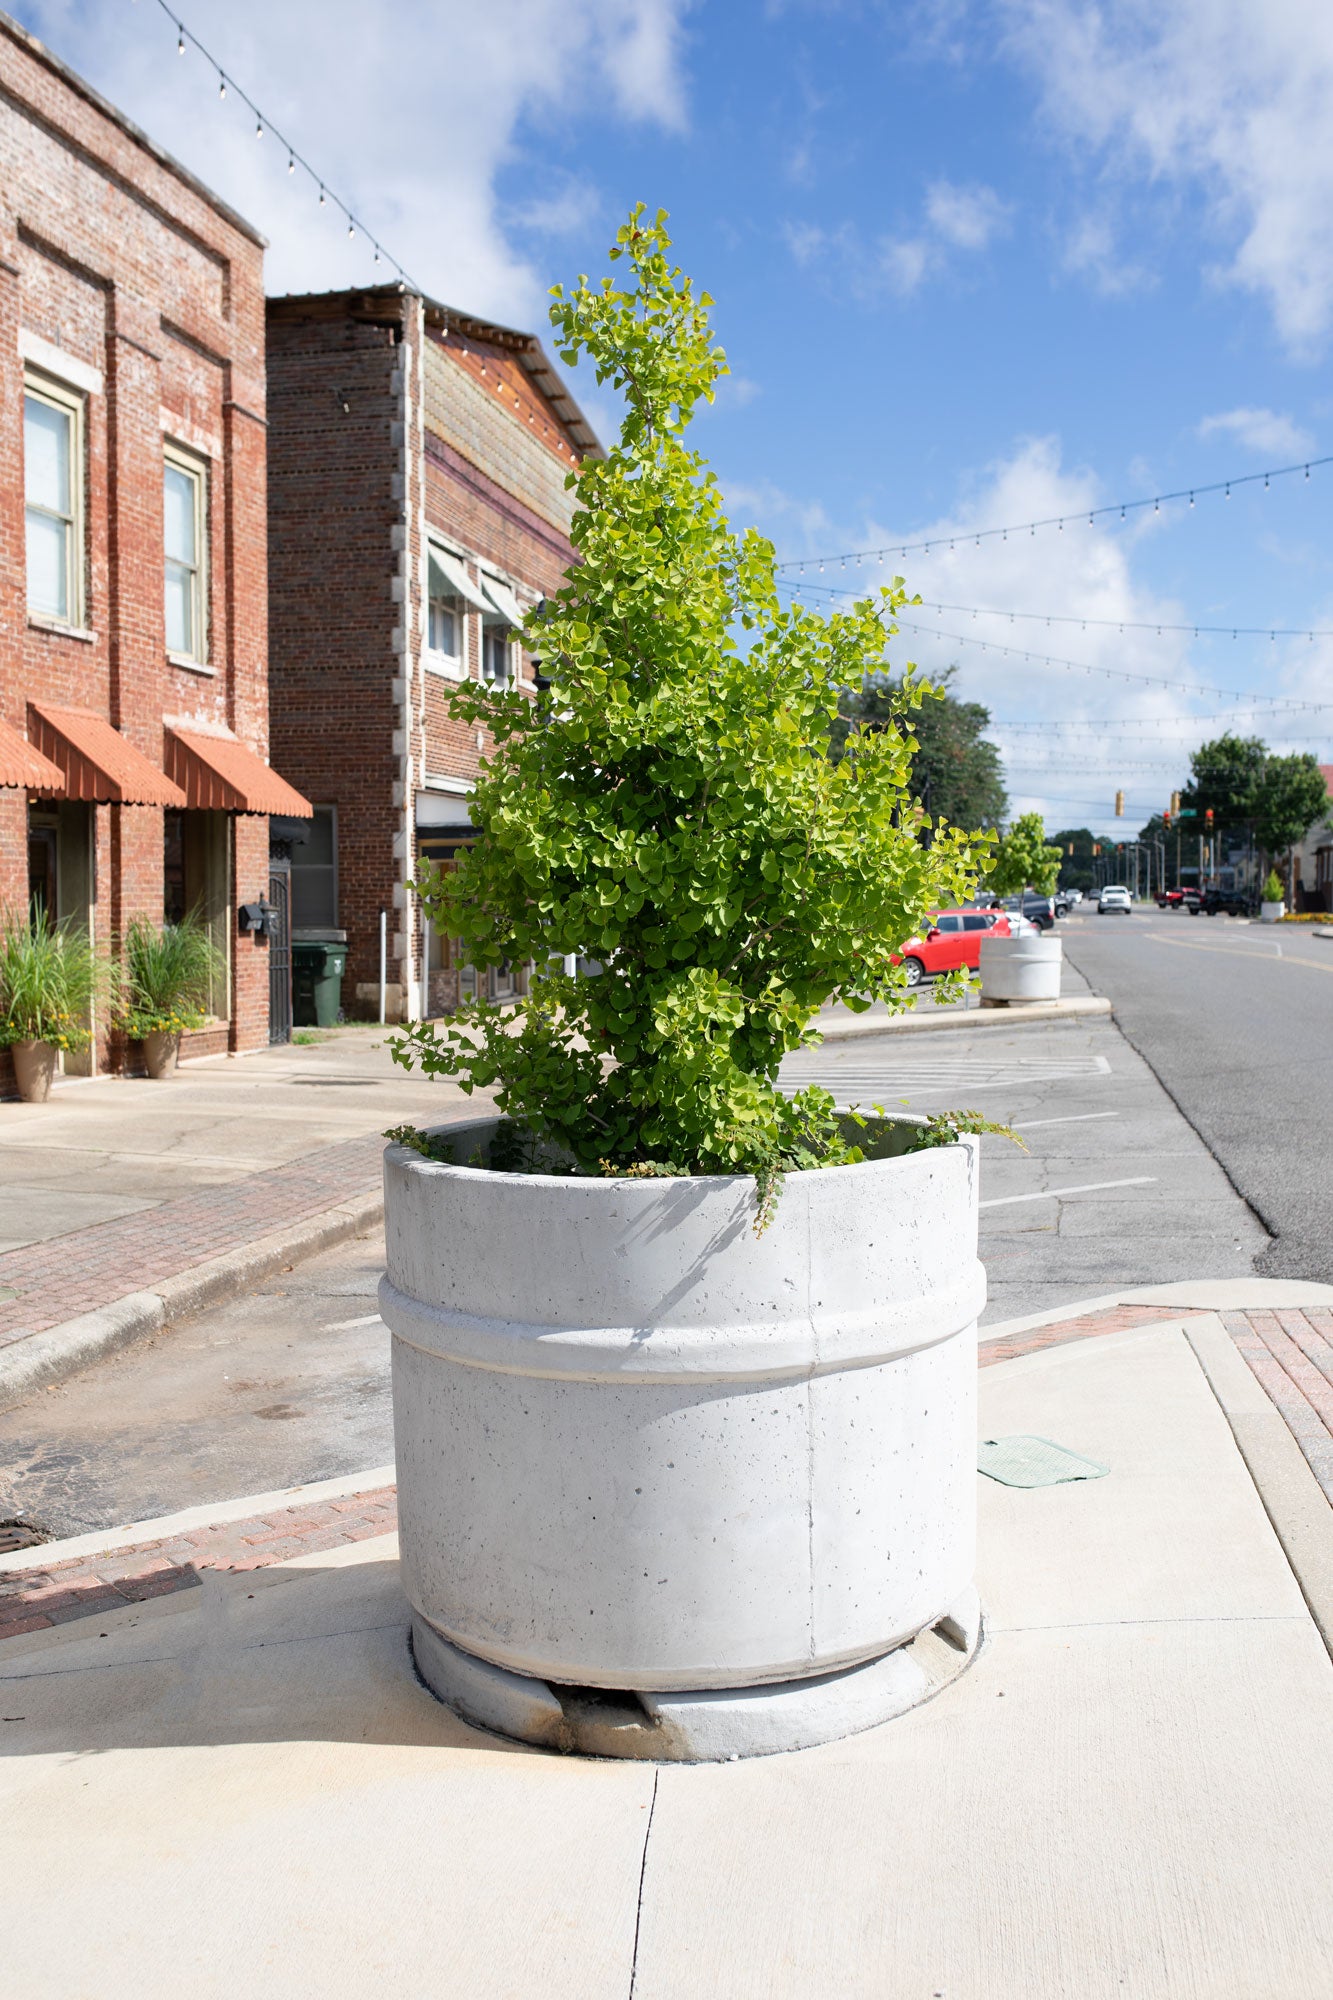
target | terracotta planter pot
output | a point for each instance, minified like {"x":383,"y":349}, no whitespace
{"x":160,"y":1052}
{"x":34,"y":1067}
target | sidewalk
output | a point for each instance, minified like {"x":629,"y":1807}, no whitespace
{"x":1090,"y":1809}
{"x":124,"y":1202}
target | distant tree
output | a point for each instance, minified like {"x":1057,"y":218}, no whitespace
{"x":1225,"y":776}
{"x":956,"y":775}
{"x":1289,"y":798}
{"x":1023,"y":859}
{"x":1075,"y":844}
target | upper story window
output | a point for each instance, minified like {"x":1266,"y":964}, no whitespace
{"x":496,"y":651}
{"x":185,"y":518}
{"x":53,"y":501}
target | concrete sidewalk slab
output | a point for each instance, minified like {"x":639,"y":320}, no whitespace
{"x":1090,"y":1810}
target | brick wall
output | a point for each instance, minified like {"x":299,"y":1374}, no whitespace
{"x":332,"y":514}
{"x":384,"y":428}
{"x":147,"y":295}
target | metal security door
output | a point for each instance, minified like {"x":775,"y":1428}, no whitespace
{"x":280,"y":953}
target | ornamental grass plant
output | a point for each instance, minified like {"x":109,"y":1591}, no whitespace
{"x":49,"y":980}
{"x":670,"y":810}
{"x":168,"y":972}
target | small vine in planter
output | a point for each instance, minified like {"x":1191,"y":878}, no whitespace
{"x":668,"y":808}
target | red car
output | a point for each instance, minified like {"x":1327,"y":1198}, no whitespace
{"x":954,"y":938}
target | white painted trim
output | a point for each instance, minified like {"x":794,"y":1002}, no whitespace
{"x":206,"y":443}
{"x":1087,"y":1187}
{"x":53,"y":360}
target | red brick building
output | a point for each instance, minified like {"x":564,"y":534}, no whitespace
{"x":133,"y":592}
{"x":417,"y":507}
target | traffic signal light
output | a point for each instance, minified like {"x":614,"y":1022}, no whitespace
{"x":1120,"y":805}
{"x":1175,"y":802}
{"x":1096,"y":847}
{"x":1208,"y":819}
{"x":1166,"y":820}
{"x":1071,"y":847}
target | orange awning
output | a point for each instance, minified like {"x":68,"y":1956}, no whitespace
{"x":221,"y":774}
{"x":97,"y":764}
{"x":22,"y":764}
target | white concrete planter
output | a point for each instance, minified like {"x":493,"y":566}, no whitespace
{"x":1021,"y":968}
{"x":1272,"y":913}
{"x":640,"y":1449}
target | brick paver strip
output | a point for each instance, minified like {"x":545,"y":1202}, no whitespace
{"x":1112,"y":1319}
{"x":32,"y":1600}
{"x":88,"y":1268}
{"x":1291,"y":1356}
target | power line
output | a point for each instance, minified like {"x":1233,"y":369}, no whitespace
{"x":1059,"y":522}
{"x":1159,"y":625}
{"x":264,"y":125}
{"x":1274,"y":703}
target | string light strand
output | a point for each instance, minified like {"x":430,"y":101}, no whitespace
{"x":264,"y":126}
{"x":953,"y":538}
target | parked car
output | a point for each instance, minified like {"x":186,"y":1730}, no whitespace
{"x":953,"y":938}
{"x":1170,"y":899}
{"x":1115,"y":899}
{"x":1191,"y":899}
{"x":1039,"y":910}
{"x":1228,"y":903}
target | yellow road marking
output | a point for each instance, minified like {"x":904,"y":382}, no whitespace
{"x":1259,"y":957}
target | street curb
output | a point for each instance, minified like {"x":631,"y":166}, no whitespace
{"x":207,"y":1514}
{"x":1201,"y":1294}
{"x":40,"y":1359}
{"x":966,"y":1018}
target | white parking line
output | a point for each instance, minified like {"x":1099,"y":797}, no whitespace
{"x":1075,"y":1118}
{"x":341,"y":1325}
{"x":1088,"y":1187}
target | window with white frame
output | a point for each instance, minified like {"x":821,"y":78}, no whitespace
{"x":444,"y":618}
{"x":184,"y":519}
{"x":53,"y":500}
{"x":496,"y":650}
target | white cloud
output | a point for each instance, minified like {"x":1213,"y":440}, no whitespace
{"x":412,"y":111}
{"x":1261,"y":431}
{"x":904,"y":262}
{"x":1093,"y":251}
{"x":1076,"y":737}
{"x":1230,"y":98}
{"x":966,"y":217}
{"x":954,"y":219}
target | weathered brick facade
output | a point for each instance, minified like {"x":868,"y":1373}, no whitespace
{"x":131,"y":317}
{"x":413,"y":453}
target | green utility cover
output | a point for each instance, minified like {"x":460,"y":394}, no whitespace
{"x":1033,"y":1461}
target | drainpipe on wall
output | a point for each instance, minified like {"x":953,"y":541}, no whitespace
{"x":405,"y":388}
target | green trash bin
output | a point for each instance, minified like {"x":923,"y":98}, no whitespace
{"x":319,"y":960}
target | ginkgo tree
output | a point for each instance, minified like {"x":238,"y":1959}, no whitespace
{"x":669,"y":808}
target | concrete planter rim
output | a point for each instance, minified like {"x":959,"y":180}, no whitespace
{"x":619,"y":1184}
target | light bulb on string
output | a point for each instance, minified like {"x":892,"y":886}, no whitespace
{"x":321,"y":197}
{"x":291,"y":164}
{"x":259,"y":128}
{"x":222,"y":88}
{"x":180,"y":40}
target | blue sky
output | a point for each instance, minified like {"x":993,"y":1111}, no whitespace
{"x":973,"y":263}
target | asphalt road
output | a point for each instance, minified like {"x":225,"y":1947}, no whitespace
{"x":1236,"y":1021}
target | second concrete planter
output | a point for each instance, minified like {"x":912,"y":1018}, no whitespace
{"x":1015,"y":969}
{"x":641,"y":1450}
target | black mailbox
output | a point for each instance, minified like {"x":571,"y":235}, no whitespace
{"x":258,"y":918}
